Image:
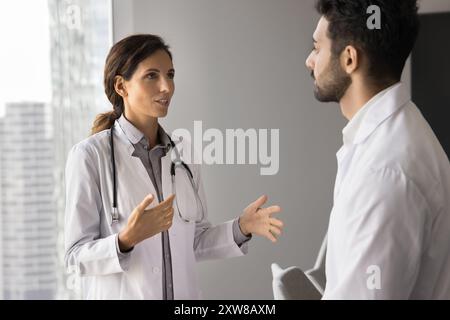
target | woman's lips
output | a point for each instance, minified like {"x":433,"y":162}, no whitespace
{"x":163,"y":102}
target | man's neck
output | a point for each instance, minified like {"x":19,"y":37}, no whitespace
{"x":357,"y":95}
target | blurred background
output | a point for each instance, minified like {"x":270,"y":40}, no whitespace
{"x":239,"y":64}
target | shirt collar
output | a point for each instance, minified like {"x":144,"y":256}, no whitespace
{"x":374,"y":112}
{"x":134,"y":135}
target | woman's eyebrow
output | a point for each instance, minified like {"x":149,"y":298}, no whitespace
{"x":157,"y":70}
{"x":152,"y":70}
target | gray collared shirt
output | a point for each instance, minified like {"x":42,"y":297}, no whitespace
{"x":151,"y":159}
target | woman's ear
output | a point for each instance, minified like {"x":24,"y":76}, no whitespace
{"x":119,"y":86}
{"x":350,"y":59}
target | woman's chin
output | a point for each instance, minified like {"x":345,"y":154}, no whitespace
{"x":158,"y":112}
{"x":161,"y":111}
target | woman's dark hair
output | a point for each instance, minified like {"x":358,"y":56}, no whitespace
{"x":123,"y":60}
{"x":387,"y":48}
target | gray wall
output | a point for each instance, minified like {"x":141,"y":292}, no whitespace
{"x":425,"y":7}
{"x":433,"y":6}
{"x":240,"y":64}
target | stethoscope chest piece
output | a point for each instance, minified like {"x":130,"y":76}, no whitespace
{"x":114,"y":215}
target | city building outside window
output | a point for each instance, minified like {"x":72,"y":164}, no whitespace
{"x":52,"y":88}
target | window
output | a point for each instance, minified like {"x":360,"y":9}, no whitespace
{"x":53,"y":74}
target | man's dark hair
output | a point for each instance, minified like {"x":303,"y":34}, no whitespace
{"x":385,"y":49}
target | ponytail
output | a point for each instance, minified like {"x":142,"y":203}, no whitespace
{"x":105,"y":121}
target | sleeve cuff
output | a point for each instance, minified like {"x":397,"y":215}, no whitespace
{"x":124,"y":257}
{"x":238,"y":236}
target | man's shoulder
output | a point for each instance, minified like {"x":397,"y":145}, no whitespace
{"x":404,"y":142}
{"x":404,"y":147}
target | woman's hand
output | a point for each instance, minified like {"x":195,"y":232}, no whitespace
{"x":259,"y":220}
{"x":143,"y":224}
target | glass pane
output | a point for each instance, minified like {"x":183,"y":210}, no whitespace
{"x":54,"y":88}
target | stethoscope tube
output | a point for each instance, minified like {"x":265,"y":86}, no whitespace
{"x":115,"y":213}
{"x":177,"y":162}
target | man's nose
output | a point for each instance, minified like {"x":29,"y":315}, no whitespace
{"x":309,"y":62}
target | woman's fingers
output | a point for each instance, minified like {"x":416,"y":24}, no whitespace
{"x":270,"y":210}
{"x":167,"y":218}
{"x":163,"y":206}
{"x":270,"y":236}
{"x":169,"y":214}
{"x":145,"y":203}
{"x":167,"y":203}
{"x":169,"y":199}
{"x":275,"y":230}
{"x":258,"y":203}
{"x":276,"y":222}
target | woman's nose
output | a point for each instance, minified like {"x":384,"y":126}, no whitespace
{"x":164,"y":85}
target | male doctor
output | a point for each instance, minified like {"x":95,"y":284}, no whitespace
{"x":389,"y":229}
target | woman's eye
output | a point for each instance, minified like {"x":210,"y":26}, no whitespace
{"x":152,"y":75}
{"x":171,"y":75}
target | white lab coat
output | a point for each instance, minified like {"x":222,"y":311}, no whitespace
{"x":389,"y":229}
{"x":91,"y":240}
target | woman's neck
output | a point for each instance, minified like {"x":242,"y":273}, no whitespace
{"x":147,"y":125}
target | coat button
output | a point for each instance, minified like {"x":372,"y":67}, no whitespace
{"x":156,"y":270}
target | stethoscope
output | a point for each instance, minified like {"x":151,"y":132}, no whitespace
{"x":177,"y":163}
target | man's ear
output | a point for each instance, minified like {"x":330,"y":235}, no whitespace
{"x":350,"y":59}
{"x":119,"y":86}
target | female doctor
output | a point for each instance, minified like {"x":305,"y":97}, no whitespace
{"x":136,"y":218}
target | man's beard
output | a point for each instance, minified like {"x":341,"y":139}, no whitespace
{"x":334,"y":84}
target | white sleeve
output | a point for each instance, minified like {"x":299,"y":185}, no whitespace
{"x":214,"y":242}
{"x":381,"y":235}
{"x":87,"y":253}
